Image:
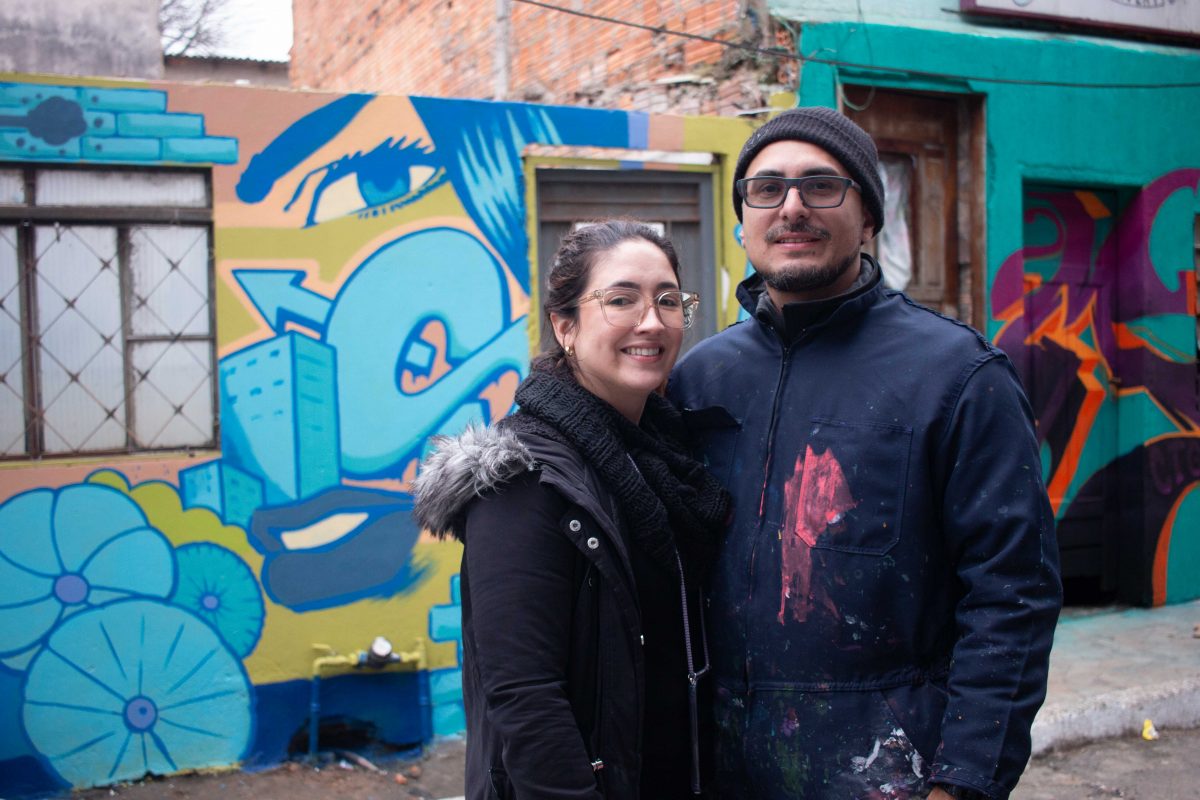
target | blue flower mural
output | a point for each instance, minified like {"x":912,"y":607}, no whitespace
{"x":64,"y":550}
{"x":134,"y":687}
{"x":217,"y":586}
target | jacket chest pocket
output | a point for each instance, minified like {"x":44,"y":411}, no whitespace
{"x":714,"y":431}
{"x":847,"y":490}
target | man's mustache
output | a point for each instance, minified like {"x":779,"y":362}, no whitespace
{"x":779,"y":231}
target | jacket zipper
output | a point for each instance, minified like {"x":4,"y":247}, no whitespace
{"x":693,"y":675}
{"x":597,"y":742}
{"x":762,"y":499}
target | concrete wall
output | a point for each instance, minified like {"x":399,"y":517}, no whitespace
{"x":507,"y":50}
{"x":373,"y":277}
{"x":118,"y":38}
{"x":1091,"y":203}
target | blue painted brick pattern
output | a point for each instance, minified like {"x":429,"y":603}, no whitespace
{"x":28,"y":95}
{"x":117,"y":148}
{"x":445,"y":685}
{"x":120,"y":126}
{"x":445,"y":623}
{"x":160,"y":125}
{"x":19,"y":145}
{"x":100,"y":123}
{"x":206,"y":150}
{"x":129,"y":100}
{"x":445,"y":696}
{"x":449,"y":719}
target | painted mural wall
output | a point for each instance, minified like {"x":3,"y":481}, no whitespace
{"x":372,"y":288}
{"x":1091,"y":203}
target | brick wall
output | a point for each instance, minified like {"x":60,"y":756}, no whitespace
{"x":432,"y":47}
{"x":460,"y":48}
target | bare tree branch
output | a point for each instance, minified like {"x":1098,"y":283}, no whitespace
{"x":192,"y":27}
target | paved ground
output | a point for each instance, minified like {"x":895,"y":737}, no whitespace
{"x":1112,"y":669}
{"x":1127,"y":767}
{"x":1109,"y":671}
{"x":439,"y":774}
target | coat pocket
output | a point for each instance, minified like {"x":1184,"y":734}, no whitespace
{"x":714,"y":435}
{"x":847,"y":493}
{"x":918,"y":710}
{"x":500,"y":785}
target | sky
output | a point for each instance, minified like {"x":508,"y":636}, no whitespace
{"x":259,"y":29}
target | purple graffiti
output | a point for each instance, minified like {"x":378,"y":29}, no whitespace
{"x":1096,"y":277}
{"x":1065,"y":323}
{"x":1174,"y":463}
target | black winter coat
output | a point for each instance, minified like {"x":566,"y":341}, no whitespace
{"x":552,"y":636}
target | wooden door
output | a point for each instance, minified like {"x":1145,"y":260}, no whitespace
{"x":926,"y":154}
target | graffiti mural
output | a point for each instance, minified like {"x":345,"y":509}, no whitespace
{"x":424,"y":331}
{"x":1098,"y":311}
{"x":129,"y":649}
{"x":371,"y":289}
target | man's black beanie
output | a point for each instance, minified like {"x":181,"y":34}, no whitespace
{"x":833,"y":132}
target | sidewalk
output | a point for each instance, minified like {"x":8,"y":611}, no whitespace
{"x":1111,"y":670}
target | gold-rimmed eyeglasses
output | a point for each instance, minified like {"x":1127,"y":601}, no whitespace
{"x":626,"y":308}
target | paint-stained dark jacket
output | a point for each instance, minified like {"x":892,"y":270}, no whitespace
{"x":552,"y":677}
{"x":891,"y":538}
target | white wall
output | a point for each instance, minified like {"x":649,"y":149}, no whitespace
{"x":117,"y":38}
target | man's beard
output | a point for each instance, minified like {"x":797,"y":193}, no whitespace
{"x":792,"y":280}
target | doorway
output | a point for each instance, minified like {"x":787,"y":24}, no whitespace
{"x":931,"y":158}
{"x":679,"y":204}
{"x":1070,"y":251}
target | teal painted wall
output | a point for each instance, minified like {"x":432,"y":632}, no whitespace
{"x":1091,"y":201}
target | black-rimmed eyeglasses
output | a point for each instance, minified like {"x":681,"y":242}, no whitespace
{"x":626,"y":308}
{"x":816,"y":191}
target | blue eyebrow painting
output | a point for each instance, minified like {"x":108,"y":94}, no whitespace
{"x":298,"y":141}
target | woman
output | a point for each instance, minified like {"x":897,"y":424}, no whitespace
{"x":585,"y":529}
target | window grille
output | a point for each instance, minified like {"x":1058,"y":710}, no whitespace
{"x":106,"y":316}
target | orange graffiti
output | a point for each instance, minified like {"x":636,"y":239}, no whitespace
{"x":1069,"y":335}
{"x":1163,"y":548}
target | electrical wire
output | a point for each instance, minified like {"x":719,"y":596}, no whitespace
{"x":776,"y":52}
{"x":841,"y":86}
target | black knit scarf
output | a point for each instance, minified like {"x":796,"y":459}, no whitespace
{"x":669,"y":499}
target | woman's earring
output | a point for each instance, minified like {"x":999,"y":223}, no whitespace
{"x":570,"y":351}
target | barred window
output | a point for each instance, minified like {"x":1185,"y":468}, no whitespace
{"x":106,"y":314}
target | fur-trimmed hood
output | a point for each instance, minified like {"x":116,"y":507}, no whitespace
{"x":462,"y":468}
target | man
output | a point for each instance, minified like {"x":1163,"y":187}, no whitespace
{"x":884,"y":602}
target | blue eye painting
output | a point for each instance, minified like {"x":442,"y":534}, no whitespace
{"x":369,"y":184}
